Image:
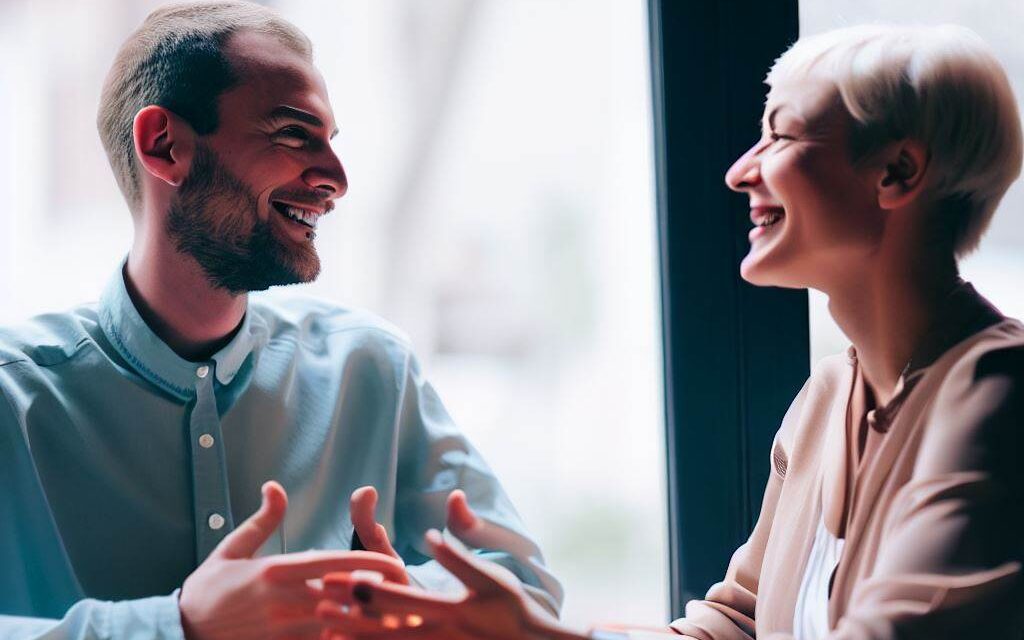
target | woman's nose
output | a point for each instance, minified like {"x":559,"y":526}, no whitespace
{"x":745,"y":173}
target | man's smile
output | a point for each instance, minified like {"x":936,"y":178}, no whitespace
{"x":306,"y":215}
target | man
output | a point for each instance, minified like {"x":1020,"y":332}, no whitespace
{"x":135,"y":433}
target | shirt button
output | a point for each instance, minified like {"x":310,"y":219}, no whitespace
{"x":216,"y":521}
{"x":202,"y":371}
{"x":206,"y":441}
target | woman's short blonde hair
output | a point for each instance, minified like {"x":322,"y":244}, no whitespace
{"x":940,"y":85}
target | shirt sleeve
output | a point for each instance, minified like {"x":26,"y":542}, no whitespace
{"x":150,"y":618}
{"x":949,"y":563}
{"x":435,"y":459}
{"x":33,"y":565}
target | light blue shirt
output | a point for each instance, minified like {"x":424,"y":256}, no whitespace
{"x":123,"y":465}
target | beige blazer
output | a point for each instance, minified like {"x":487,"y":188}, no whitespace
{"x":933,"y":516}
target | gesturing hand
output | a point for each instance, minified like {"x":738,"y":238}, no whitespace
{"x":373,"y":535}
{"x":495,"y":606}
{"x":233,"y":595}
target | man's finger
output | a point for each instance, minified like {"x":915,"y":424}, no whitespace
{"x":311,"y":565}
{"x":363,"y":510}
{"x":408,"y":603}
{"x":462,"y":566}
{"x":248,"y":537}
{"x":462,"y":521}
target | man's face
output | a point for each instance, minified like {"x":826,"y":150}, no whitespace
{"x":257,"y":186}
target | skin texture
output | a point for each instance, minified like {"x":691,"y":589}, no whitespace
{"x":863,"y":233}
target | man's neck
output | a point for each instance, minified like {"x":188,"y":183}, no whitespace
{"x":888,"y":311}
{"x":178,"y":303}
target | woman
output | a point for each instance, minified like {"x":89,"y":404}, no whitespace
{"x":895,"y":500}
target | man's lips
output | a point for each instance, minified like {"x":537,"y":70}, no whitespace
{"x":319,"y":208}
{"x":305,"y":214}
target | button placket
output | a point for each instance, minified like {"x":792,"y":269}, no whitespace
{"x":210,"y":491}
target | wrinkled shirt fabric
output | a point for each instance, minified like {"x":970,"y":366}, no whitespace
{"x":123,"y":465}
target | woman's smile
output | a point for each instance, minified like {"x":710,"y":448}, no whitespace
{"x":766,"y":219}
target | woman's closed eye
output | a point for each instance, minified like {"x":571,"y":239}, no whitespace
{"x":776,"y":136}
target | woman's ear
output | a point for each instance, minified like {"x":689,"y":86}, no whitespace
{"x":902,"y":178}
{"x":164,"y":144}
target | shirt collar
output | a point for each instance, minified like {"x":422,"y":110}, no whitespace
{"x":158,"y":363}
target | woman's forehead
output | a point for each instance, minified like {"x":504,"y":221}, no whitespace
{"x":808,"y":98}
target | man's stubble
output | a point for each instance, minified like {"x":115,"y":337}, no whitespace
{"x":214,"y":220}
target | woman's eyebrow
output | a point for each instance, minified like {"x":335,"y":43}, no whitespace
{"x":285,"y":112}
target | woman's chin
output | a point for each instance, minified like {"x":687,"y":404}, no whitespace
{"x":760,"y":271}
{"x":754,"y":271}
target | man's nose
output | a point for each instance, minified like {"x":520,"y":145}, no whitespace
{"x":328,"y":175}
{"x":745,"y":173}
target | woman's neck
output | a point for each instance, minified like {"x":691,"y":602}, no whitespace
{"x":889,"y":307}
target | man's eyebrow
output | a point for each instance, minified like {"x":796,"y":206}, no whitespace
{"x":285,"y":111}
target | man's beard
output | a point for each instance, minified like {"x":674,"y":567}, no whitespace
{"x":214,"y":220}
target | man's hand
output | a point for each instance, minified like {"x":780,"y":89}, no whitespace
{"x":494,"y":608}
{"x":462,"y":521}
{"x":233,"y":595}
{"x":373,"y":535}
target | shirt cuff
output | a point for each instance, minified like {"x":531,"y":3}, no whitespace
{"x":156,"y":617}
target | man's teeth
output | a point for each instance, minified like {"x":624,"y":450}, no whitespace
{"x":307,"y":218}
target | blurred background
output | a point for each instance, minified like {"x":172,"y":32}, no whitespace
{"x":500,"y":211}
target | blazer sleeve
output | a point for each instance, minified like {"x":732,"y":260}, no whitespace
{"x":727,"y":611}
{"x":949,"y":563}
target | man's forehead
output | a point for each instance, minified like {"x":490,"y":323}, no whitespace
{"x":272,"y":74}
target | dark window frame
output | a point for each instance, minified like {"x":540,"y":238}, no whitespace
{"x":735,"y":355}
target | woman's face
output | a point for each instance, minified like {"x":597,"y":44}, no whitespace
{"x":816,"y":215}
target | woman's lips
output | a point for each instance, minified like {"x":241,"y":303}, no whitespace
{"x":765,"y":218}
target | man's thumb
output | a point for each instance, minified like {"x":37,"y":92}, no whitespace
{"x":249,"y":536}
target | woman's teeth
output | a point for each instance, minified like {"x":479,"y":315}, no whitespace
{"x":770,"y":219}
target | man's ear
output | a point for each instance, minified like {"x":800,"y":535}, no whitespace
{"x":164,"y":144}
{"x":902,"y":178}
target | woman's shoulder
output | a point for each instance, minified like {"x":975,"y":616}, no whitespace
{"x":807,"y":418}
{"x":829,"y":380}
{"x":996,"y":352}
{"x":978,"y":409}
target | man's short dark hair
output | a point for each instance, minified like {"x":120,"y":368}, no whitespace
{"x":176,"y":60}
